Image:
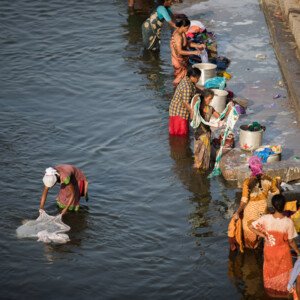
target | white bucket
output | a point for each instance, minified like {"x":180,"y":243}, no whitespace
{"x":208,"y":70}
{"x":219,"y":100}
{"x":250,"y":140}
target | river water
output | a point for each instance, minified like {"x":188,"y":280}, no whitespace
{"x":77,"y":87}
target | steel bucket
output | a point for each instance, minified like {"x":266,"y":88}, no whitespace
{"x":208,"y":70}
{"x":250,"y":140}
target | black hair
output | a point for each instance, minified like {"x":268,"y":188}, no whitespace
{"x":194,"y":72}
{"x":254,"y":181}
{"x":183,"y":22}
{"x":278,"y":202}
{"x":159,"y":2}
{"x":207,"y":93}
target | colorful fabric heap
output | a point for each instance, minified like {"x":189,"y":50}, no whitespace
{"x":264,"y":154}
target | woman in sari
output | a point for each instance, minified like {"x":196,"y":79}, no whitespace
{"x":202,"y":134}
{"x":254,"y":199}
{"x":73,"y":185}
{"x":279,"y":233}
{"x":151,"y":28}
{"x":179,"y":54}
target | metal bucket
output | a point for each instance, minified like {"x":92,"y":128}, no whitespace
{"x":250,"y":140}
{"x":219,"y":100}
{"x":208,"y":70}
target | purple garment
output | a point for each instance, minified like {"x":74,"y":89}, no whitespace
{"x":294,"y":274}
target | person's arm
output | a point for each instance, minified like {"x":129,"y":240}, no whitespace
{"x":131,"y":3}
{"x":275,"y":186}
{"x":257,"y":232}
{"x":240,"y":210}
{"x":186,"y":98}
{"x":167,"y":15}
{"x":215,"y":114}
{"x":294,"y":246}
{"x":178,"y":44}
{"x":172,"y":24}
{"x":292,"y":234}
{"x":44,"y":197}
{"x":71,"y":200}
{"x":197,"y":46}
{"x":189,"y":108}
{"x":244,"y":200}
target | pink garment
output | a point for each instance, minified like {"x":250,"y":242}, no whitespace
{"x":77,"y":179}
{"x":255,"y":165}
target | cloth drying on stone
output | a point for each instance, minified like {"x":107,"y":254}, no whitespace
{"x":46,"y":228}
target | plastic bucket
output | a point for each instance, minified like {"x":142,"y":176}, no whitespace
{"x":250,"y":140}
{"x":219,"y":100}
{"x":208,"y":70}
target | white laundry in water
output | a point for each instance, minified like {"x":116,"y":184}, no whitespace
{"x":46,"y":228}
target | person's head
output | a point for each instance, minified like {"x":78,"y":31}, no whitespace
{"x":183,"y":24}
{"x":278,"y":202}
{"x":166,"y":3}
{"x":255,"y":165}
{"x":194,"y":74}
{"x":50,"y":177}
{"x":208,"y":95}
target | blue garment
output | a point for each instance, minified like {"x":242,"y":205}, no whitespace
{"x":164,"y":13}
{"x":215,"y":83}
{"x":264,"y":154}
{"x":294,"y":274}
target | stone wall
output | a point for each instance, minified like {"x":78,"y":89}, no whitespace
{"x":290,"y":10}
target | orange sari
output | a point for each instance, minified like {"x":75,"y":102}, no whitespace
{"x":277,"y":256}
{"x":179,"y":62}
{"x":256,"y":200}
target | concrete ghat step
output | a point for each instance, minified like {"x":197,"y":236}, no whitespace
{"x":231,"y":160}
{"x":286,"y":170}
{"x":234,"y":166}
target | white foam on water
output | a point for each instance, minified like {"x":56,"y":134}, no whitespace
{"x":247,"y":22}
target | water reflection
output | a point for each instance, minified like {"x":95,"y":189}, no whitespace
{"x":78,"y":223}
{"x":148,"y":63}
{"x":245,"y":272}
{"x":197,"y":183}
{"x":135,"y":19}
{"x":152,"y":69}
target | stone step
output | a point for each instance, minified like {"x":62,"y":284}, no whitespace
{"x":234,"y":167}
